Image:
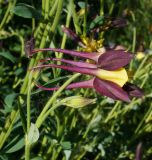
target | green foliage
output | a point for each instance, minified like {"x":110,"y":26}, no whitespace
{"x":25,"y":11}
{"x":8,"y":56}
{"x":74,"y":124}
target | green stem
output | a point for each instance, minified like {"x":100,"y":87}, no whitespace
{"x":28,"y":101}
{"x":144,"y":119}
{"x":38,"y":124}
{"x":140,"y":67}
{"x":53,"y":8}
{"x":75,"y":18}
{"x":34,"y":60}
{"x":46,"y":13}
{"x":85,"y":19}
{"x":27,"y":148}
{"x":52,"y":99}
{"x":110,"y":115}
{"x":27,"y":145}
{"x":22,"y":115}
{"x":8,"y":127}
{"x":57,"y":16}
{"x":134,"y":38}
{"x":10,"y":5}
{"x":68,"y":18}
{"x":67,"y":25}
{"x":101,"y":7}
{"x":43,"y":7}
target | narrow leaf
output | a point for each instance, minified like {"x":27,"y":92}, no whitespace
{"x":8,"y":56}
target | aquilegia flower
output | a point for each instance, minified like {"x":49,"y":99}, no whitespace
{"x":109,"y":76}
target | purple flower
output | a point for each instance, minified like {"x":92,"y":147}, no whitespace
{"x":108,"y":73}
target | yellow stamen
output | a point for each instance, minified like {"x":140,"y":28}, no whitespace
{"x":119,"y":76}
{"x":91,"y":44}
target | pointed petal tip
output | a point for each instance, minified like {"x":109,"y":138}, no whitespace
{"x":133,"y":90}
{"x":110,"y":89}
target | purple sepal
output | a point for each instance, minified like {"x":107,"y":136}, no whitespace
{"x":93,"y":56}
{"x":88,"y":71}
{"x":74,"y":63}
{"x":133,"y":90}
{"x":83,"y":84}
{"x":112,"y":60}
{"x":110,"y":89}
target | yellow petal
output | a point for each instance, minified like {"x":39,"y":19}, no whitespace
{"x":119,"y":76}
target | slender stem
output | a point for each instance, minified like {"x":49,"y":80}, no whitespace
{"x":85,"y":19}
{"x":10,"y":5}
{"x":34,"y":60}
{"x":43,"y":7}
{"x":8,"y":127}
{"x":28,"y":101}
{"x":57,"y":16}
{"x":75,"y":18}
{"x":53,"y":8}
{"x":111,"y":8}
{"x":52,"y":99}
{"x":101,"y":7}
{"x":67,"y":25}
{"x":39,"y":123}
{"x":149,"y":115}
{"x":33,"y":24}
{"x":134,"y":38}
{"x":60,"y":55}
{"x":46,"y":13}
{"x":140,"y":67}
{"x":27,"y":148}
{"x":110,"y":115}
{"x":22,"y":115}
{"x":27,"y":145}
{"x":144,"y":119}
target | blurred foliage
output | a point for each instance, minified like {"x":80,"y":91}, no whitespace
{"x":107,"y":129}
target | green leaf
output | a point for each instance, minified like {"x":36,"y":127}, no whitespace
{"x":99,"y":20}
{"x":20,"y":144}
{"x":18,"y":71}
{"x":26,"y":11}
{"x":9,"y":99}
{"x":3,"y":157}
{"x":8,"y":56}
{"x":81,"y":4}
{"x":66,"y":145}
{"x":33,"y":134}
